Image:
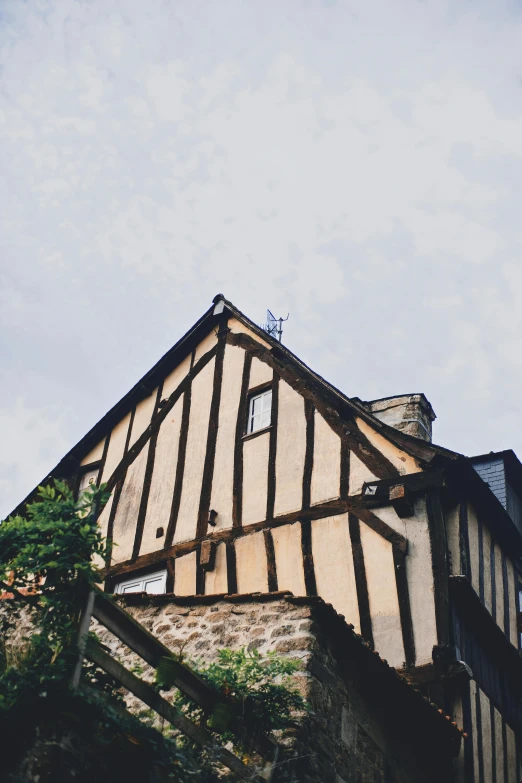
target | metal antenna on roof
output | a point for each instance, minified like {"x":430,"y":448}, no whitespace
{"x":274,"y":326}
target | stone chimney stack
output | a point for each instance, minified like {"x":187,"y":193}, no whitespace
{"x":410,"y":413}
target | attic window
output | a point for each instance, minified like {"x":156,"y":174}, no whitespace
{"x":152,"y":583}
{"x":87,"y":479}
{"x":259,"y":411}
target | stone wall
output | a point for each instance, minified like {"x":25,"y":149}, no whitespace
{"x":366,"y":725}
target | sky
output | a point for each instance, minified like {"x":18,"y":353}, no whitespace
{"x":355,"y":164}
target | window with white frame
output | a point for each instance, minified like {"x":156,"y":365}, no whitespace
{"x":151,"y":583}
{"x":259,"y":411}
{"x":87,"y":479}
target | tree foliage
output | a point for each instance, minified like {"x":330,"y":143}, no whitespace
{"x":55,"y":542}
{"x":261,"y":685}
{"x":48,"y":559}
{"x":48,"y":554}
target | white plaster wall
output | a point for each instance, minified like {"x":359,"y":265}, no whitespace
{"x":95,"y":454}
{"x":333,"y":562}
{"x":103,"y":522}
{"x":359,"y":474}
{"x":513,"y":636}
{"x":382,"y":593}
{"x":173,"y":380}
{"x":459,"y":769}
{"x":487,"y":755}
{"x":252,"y":572}
{"x":289,"y":558}
{"x":511,"y":755}
{"x":255,"y":478}
{"x":216,"y":580}
{"x":222,"y":481}
{"x":291,"y":447}
{"x":419,"y":572}
{"x":142,"y":417}
{"x":499,"y":587}
{"x":390,"y":516}
{"x":402,"y":461}
{"x":185,"y":574}
{"x":237,"y":327}
{"x":453,"y":534}
{"x":486,"y":538}
{"x":195,"y":454}
{"x":473,"y":695}
{"x":103,"y":519}
{"x":116,"y":447}
{"x":128,"y":507}
{"x":205,"y":346}
{"x":163,"y":478}
{"x":499,"y":745}
{"x":260,"y":372}
{"x":473,"y":547}
{"x":326,"y":473}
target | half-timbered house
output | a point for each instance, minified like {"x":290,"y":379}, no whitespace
{"x":234,"y":468}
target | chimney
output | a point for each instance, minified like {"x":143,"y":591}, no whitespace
{"x":410,"y":413}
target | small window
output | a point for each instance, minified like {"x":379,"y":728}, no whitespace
{"x":152,"y":583}
{"x":87,"y":479}
{"x":259,"y":411}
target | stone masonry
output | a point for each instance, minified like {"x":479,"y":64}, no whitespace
{"x":366,"y":724}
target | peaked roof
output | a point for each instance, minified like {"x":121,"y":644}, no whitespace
{"x":426,"y":453}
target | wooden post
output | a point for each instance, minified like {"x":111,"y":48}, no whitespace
{"x":83,"y":635}
{"x":149,"y":696}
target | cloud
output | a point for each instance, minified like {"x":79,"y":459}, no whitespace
{"x":37,"y":439}
{"x":358,"y":165}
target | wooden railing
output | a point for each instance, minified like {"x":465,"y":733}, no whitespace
{"x":119,"y":622}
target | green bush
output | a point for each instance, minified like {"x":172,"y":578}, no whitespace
{"x":48,"y":557}
{"x":260,"y":686}
{"x":49,"y":552}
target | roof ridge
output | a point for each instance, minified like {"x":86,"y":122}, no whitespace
{"x":416,"y":447}
{"x":425,"y":452}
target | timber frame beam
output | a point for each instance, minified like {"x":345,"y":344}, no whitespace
{"x":228,"y":535}
{"x":340,"y":418}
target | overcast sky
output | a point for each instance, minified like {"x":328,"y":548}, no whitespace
{"x":357,"y":164}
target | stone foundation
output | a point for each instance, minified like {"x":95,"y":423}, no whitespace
{"x":366,"y":724}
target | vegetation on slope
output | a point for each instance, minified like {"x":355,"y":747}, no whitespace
{"x":51,"y":733}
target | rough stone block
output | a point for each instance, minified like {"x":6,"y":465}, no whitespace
{"x":348,"y":729}
{"x":300,"y":611}
{"x":198,"y":611}
{"x":268,"y":618}
{"x":231,"y":641}
{"x":219,"y":617}
{"x":180,"y":610}
{"x":295,"y":643}
{"x":161,"y":629}
{"x":255,"y":644}
{"x":283,"y":630}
